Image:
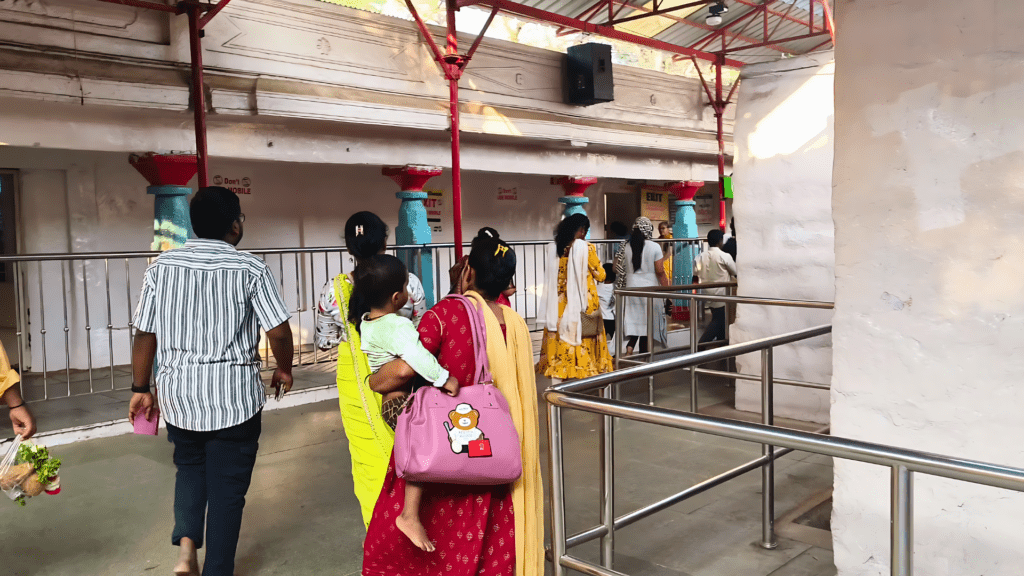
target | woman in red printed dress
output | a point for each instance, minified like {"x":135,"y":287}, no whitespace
{"x":476,"y":530}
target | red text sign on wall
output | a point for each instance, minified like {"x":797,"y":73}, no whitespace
{"x":237,"y":185}
{"x":435,"y":209}
{"x":508,"y":193}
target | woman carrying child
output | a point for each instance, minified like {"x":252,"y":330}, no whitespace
{"x":476,"y":530}
{"x":370,"y":440}
{"x":381,"y":290}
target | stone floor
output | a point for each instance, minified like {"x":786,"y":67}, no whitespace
{"x":114,"y":515}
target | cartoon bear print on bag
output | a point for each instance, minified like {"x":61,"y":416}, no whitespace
{"x":463,"y":428}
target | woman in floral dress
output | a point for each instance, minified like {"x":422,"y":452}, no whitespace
{"x":565,"y":353}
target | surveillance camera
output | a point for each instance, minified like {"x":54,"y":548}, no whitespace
{"x":715,"y":12}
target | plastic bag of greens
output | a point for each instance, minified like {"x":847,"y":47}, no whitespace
{"x":11,"y":474}
{"x":28,"y":470}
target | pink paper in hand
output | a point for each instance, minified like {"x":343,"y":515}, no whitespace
{"x":148,"y":427}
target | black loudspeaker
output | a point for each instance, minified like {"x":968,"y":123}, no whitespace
{"x":589,"y":75}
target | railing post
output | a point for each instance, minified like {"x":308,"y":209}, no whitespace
{"x":650,"y":348}
{"x":608,"y":484}
{"x":768,"y":470}
{"x":557,"y":489}
{"x":694,"y":405}
{"x":902,"y":530}
{"x":619,"y":309}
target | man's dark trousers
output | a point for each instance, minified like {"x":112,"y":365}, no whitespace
{"x":214,"y":471}
{"x":716,"y":329}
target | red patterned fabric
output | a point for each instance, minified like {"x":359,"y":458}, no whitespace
{"x":472,"y":527}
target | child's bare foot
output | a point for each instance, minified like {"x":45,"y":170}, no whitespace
{"x":188,"y":561}
{"x":414,"y":530}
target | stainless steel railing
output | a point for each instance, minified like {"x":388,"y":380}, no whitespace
{"x":775,"y":441}
{"x":74,"y":311}
{"x":689,"y":293}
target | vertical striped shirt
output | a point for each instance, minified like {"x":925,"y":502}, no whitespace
{"x":205,"y":302}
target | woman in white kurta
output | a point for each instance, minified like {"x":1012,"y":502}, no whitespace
{"x":645,"y":270}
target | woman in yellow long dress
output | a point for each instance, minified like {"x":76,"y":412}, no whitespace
{"x":370,"y":439}
{"x":565,"y":353}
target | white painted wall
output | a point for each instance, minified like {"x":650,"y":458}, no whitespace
{"x":307,"y":99}
{"x":783,"y":210}
{"x":929,"y":273}
{"x":96,"y":202}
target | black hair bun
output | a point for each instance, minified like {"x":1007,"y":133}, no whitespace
{"x":488,"y":233}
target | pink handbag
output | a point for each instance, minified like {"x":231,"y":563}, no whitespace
{"x":468,"y":439}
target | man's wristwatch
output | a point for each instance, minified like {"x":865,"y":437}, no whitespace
{"x":140,"y":389}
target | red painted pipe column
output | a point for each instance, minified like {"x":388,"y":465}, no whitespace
{"x":198,"y":94}
{"x":453,"y":72}
{"x":719,"y":116}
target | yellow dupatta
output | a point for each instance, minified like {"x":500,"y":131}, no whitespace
{"x":511,"y":360}
{"x":370,"y":440}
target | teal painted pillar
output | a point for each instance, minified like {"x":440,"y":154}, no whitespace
{"x":413,"y":227}
{"x":168,"y":175}
{"x":575,"y":189}
{"x":172,"y":225}
{"x":685,"y":227}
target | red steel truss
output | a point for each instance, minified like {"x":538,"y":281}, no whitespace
{"x":731,"y":39}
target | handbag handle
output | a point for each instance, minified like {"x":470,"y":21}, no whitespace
{"x":478,"y":329}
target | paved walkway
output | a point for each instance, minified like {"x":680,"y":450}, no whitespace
{"x":114,"y":515}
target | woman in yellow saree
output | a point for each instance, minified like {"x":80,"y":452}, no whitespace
{"x":370,"y":439}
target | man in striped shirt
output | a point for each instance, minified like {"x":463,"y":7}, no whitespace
{"x":199,"y":317}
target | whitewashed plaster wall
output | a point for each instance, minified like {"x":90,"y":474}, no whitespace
{"x":95,"y":202}
{"x":310,"y":68}
{"x":783,"y":209}
{"x":929,"y":324}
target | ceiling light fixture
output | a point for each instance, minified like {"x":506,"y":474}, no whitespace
{"x":715,"y":12}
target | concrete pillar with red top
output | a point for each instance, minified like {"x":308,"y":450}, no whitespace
{"x":575,"y":194}
{"x":168,"y":176}
{"x":413,"y":226}
{"x":684,"y":227}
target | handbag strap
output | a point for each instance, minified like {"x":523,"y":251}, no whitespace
{"x":478,"y":329}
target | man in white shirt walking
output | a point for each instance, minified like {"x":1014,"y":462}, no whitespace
{"x":199,"y":317}
{"x":712,"y":267}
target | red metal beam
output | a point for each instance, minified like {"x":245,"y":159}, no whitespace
{"x":719,"y":116}
{"x":657,"y":11}
{"x":732,"y":36}
{"x":732,"y":91}
{"x":770,"y":11}
{"x":424,"y":31}
{"x":825,"y":43}
{"x":480,"y":37}
{"x":765,"y":44}
{"x":452,"y":49}
{"x":209,"y":15}
{"x":585,"y":15}
{"x":145,"y":4}
{"x":198,"y":95}
{"x":606,"y":31}
{"x":689,"y":23}
{"x":721,"y":31}
{"x":779,"y":23}
{"x":829,"y":21}
{"x":704,"y":83}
